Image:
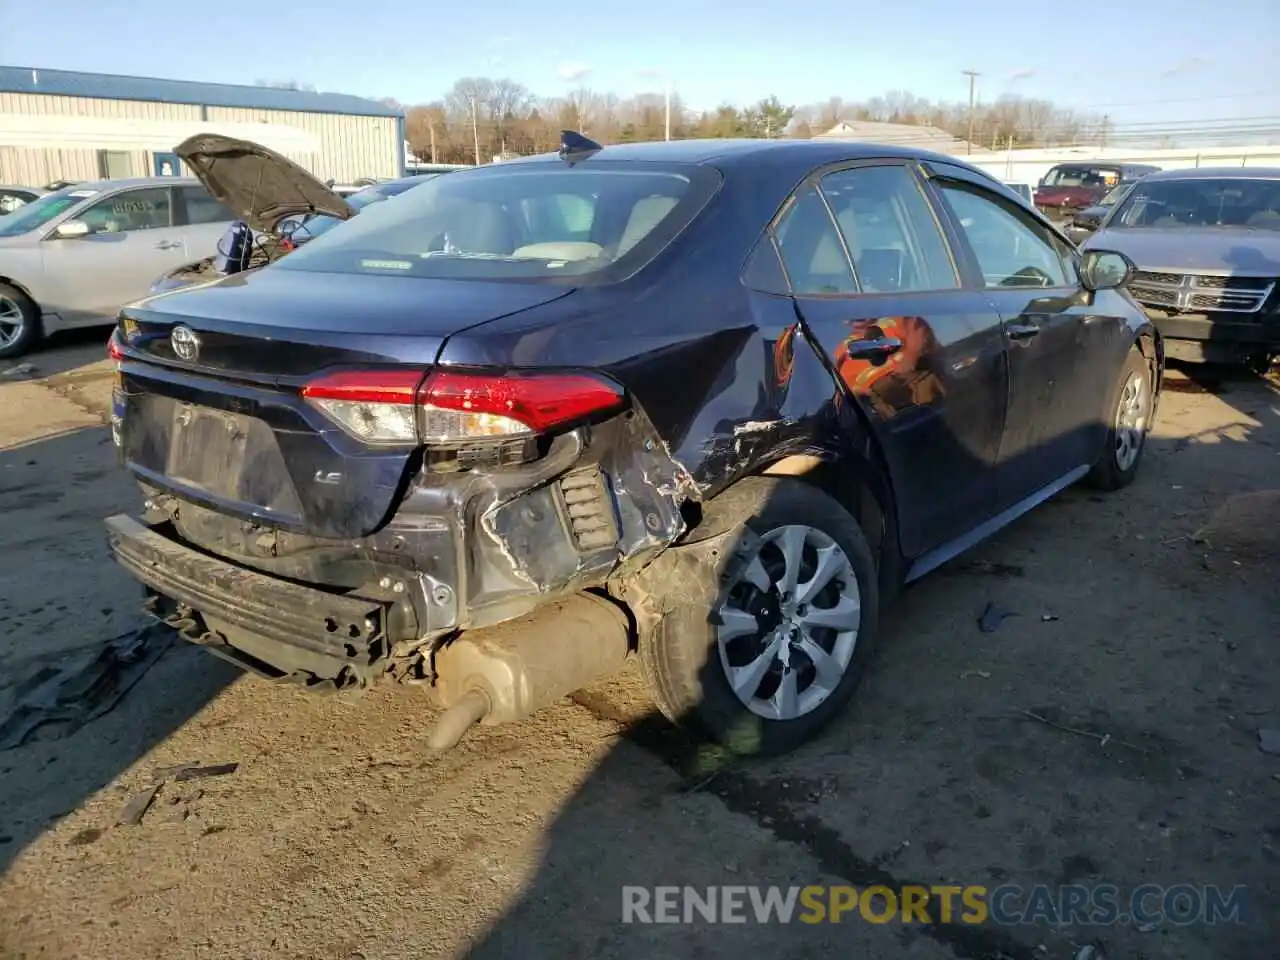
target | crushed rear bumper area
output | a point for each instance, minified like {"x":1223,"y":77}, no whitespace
{"x":273,"y":627}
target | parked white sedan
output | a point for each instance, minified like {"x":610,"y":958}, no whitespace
{"x":71,"y":258}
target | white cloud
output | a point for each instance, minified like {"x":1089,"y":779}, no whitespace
{"x":1189,"y":65}
{"x":572,"y":71}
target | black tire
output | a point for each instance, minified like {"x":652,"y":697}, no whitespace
{"x":1111,"y":472}
{"x":682,"y":659}
{"x":30,"y":313}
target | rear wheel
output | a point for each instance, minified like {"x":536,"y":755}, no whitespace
{"x":19,"y":322}
{"x":777,"y":644}
{"x":1130,"y":420}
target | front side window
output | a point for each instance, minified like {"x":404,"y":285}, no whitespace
{"x":1201,"y":202}
{"x":146,"y":209}
{"x":1010,"y":251}
{"x":889,"y":229}
{"x":530,"y":221}
{"x":812,"y":254}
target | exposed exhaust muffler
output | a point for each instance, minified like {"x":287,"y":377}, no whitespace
{"x":506,"y":672}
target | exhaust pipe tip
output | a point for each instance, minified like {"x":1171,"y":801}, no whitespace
{"x":470,"y":709}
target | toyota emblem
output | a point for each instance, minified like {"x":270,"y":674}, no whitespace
{"x":186,"y":345}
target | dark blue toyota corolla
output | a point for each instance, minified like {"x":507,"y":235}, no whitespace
{"x":704,"y":403}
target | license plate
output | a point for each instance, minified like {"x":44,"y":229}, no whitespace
{"x":207,"y":449}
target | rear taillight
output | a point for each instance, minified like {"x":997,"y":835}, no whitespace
{"x":114,"y":350}
{"x":448,"y":407}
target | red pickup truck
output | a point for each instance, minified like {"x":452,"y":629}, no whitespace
{"x":1069,"y":187}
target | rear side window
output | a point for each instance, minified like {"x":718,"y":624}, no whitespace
{"x":889,"y":228}
{"x":811,"y":250}
{"x":531,"y":221}
{"x":202,"y":208}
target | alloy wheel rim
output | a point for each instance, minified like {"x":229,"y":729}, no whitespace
{"x":1131,"y":421}
{"x":789,"y":623}
{"x":12,"y":321}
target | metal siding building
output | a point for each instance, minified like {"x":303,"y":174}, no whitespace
{"x":64,"y":125}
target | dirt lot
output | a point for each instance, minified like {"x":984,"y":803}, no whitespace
{"x":1145,"y":653}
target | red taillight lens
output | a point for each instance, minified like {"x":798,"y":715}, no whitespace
{"x":475,"y":405}
{"x":400,"y":407}
{"x":114,"y":350}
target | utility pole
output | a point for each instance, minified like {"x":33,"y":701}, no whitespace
{"x":668,"y":98}
{"x":431,"y":125}
{"x":1106,"y":127}
{"x":475,"y":129}
{"x":973,"y":76}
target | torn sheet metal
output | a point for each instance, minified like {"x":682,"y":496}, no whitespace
{"x":66,"y":698}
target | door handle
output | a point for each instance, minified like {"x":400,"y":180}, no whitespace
{"x":1021,"y":331}
{"x":875,"y":348}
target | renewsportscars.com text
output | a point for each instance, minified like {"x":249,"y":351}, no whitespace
{"x":1078,"y":905}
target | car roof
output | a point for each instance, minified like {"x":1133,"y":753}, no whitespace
{"x":101,"y":185}
{"x":1216,"y":173}
{"x":731,"y":152}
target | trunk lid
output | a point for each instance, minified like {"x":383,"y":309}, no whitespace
{"x":259,"y":185}
{"x":210,"y":404}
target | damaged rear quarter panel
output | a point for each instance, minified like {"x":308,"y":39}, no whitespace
{"x":722,"y":382}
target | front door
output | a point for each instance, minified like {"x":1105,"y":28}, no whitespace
{"x":1051,"y":327}
{"x":877,"y":287}
{"x":131,"y":242}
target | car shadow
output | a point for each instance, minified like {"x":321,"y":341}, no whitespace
{"x":61,"y":353}
{"x":927,"y":781}
{"x":62,"y":604}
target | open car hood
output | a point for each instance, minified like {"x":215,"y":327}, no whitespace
{"x":259,"y":185}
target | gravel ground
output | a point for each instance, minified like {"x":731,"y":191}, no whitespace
{"x":1104,"y":734}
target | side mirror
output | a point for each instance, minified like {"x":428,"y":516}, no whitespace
{"x":72,"y":229}
{"x":1105,"y":269}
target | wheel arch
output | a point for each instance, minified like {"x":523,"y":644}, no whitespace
{"x":24,"y":290}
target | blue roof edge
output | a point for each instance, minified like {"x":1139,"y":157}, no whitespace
{"x":106,"y":86}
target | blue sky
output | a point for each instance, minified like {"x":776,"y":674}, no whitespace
{"x":1144,"y":61}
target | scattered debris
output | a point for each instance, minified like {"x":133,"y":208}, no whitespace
{"x":1089,"y":952}
{"x":86,"y":836}
{"x":18,"y":370}
{"x":1102,"y":738}
{"x":980,"y":674}
{"x":167,"y":773}
{"x":1269,"y":741}
{"x":196,"y":773}
{"x":83,"y":690}
{"x":991,"y":568}
{"x":1146,"y":927}
{"x":1048,"y":617}
{"x":992,"y":617}
{"x":138,"y":806}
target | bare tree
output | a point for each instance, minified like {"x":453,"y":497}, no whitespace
{"x":507,"y":102}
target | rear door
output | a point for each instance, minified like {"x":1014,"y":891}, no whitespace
{"x":132,"y":240}
{"x":203,"y":220}
{"x":1052,"y":327}
{"x":877,"y":287}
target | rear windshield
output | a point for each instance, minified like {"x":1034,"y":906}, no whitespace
{"x":1082,"y":175}
{"x":1201,"y":202}
{"x":538,"y":221}
{"x":40,"y":211}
